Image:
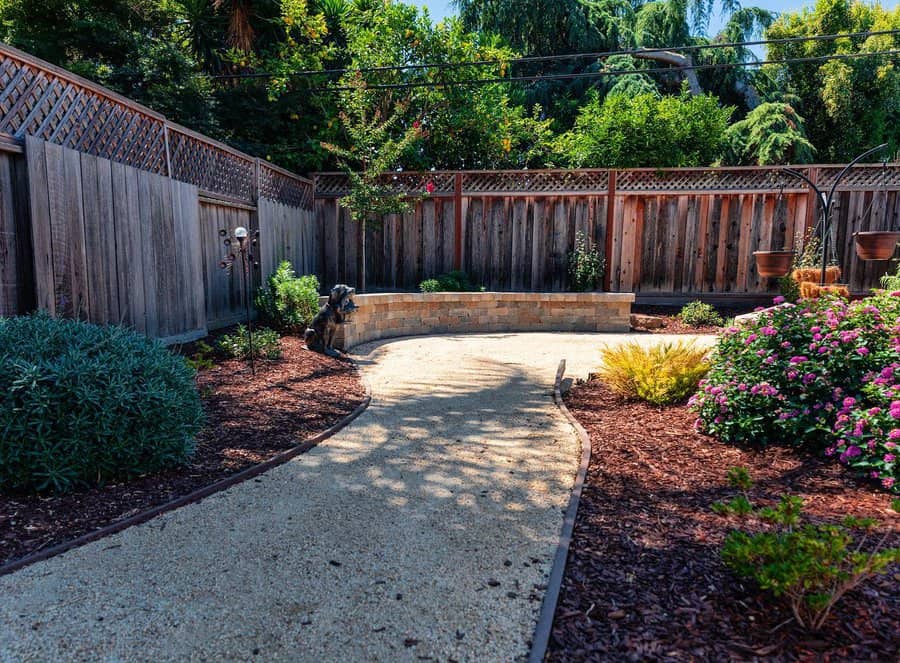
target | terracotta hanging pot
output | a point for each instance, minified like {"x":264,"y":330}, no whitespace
{"x":876,"y":245}
{"x":773,"y":263}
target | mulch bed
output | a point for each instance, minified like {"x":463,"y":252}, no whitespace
{"x":667,"y":317}
{"x":249,"y":420}
{"x":644,"y":579}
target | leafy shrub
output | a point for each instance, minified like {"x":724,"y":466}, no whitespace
{"x":789,"y":289}
{"x":266,"y":343}
{"x":660,"y":374}
{"x":819,"y":373}
{"x":83,"y":404}
{"x":455,"y":281}
{"x":430,"y":285}
{"x":202,"y":357}
{"x":700,"y":314}
{"x":812,"y":566}
{"x":586,"y":266}
{"x":288,"y":302}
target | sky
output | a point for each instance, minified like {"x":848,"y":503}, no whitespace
{"x":442,"y":8}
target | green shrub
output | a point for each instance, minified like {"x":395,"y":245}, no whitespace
{"x":202,"y":357}
{"x":83,"y":404}
{"x":812,"y":566}
{"x":700,"y":314}
{"x":266,"y":343}
{"x":455,"y":281}
{"x":660,"y":374}
{"x":586,"y":266}
{"x":288,"y":302}
{"x":430,"y":285}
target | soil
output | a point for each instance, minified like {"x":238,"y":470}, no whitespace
{"x":250,"y":419}
{"x":671,"y":324}
{"x":644,"y":580}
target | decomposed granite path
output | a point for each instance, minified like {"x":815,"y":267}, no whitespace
{"x":423,"y":531}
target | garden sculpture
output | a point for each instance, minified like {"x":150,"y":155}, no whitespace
{"x":320,"y":335}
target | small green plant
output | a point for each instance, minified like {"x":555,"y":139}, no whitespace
{"x":660,"y":374}
{"x":891,"y":282}
{"x":288,"y":302}
{"x":266,"y":344}
{"x":700,"y":314}
{"x":739,"y":478}
{"x":811,"y":566}
{"x":455,"y":281}
{"x":83,"y":404}
{"x":586,"y":266}
{"x":789,"y":289}
{"x":202,"y":357}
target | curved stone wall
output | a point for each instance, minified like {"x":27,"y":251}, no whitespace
{"x":386,"y":315}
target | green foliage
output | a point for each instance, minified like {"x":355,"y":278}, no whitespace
{"x":789,"y":289}
{"x":810,"y":566}
{"x":645,"y":131}
{"x":772,"y":133}
{"x":266,"y":343}
{"x":202,"y":357}
{"x":662,"y":373}
{"x":288,"y":302}
{"x":81,"y":405}
{"x":891,"y":282}
{"x":586,"y":266}
{"x":700,"y":314}
{"x":852,"y":104}
{"x":455,"y":281}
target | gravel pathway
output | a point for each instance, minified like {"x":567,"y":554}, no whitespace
{"x":423,"y":531}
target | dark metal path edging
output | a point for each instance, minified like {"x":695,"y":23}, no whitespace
{"x":190,"y":498}
{"x":542,"y":631}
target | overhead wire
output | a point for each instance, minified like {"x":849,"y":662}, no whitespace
{"x":563,"y":57}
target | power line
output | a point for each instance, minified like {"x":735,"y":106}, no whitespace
{"x":600,"y":74}
{"x":564,"y":57}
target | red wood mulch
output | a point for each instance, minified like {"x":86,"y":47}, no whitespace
{"x":249,"y":420}
{"x":644,"y":579}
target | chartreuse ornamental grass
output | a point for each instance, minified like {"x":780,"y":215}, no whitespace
{"x":824,"y":374}
{"x":82,"y":404}
{"x":662,"y":373}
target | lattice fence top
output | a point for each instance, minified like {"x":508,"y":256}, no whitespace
{"x":278,"y":184}
{"x":212,"y":167}
{"x":535,"y":181}
{"x":705,"y":179}
{"x":335,"y":185}
{"x":41,"y":100}
{"x":867,"y":177}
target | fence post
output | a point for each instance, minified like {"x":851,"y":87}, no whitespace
{"x":610,"y":219}
{"x":457,"y":220}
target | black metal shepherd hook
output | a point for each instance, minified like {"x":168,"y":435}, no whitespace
{"x":826,"y":202}
{"x":246,"y":245}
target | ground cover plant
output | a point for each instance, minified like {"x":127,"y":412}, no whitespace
{"x":585,"y":266}
{"x":249,"y":419}
{"x":645,"y":578}
{"x":819,"y":374}
{"x":83,"y":405}
{"x":266,"y":344}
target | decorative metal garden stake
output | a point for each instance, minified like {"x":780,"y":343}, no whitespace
{"x":245,"y":249}
{"x":826,"y":202}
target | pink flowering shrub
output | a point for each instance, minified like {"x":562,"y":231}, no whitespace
{"x":820,"y":373}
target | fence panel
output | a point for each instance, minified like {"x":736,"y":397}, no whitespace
{"x":112,"y":243}
{"x":287,"y":233}
{"x":16,"y":275}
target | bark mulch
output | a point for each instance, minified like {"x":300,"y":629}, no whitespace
{"x":249,"y":420}
{"x":644,"y":579}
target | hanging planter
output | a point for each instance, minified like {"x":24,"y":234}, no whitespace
{"x":876,"y":244}
{"x":773,"y":263}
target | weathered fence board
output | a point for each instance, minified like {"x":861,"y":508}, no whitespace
{"x":111,"y":243}
{"x":16,"y":273}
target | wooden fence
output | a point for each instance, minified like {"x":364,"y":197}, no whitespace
{"x":673,"y":232}
{"x":111,"y":213}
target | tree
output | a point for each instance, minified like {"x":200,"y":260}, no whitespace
{"x":645,"y":131}
{"x":771,"y":134}
{"x":850,"y":105}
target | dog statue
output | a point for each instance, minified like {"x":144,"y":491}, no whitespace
{"x":320,"y":335}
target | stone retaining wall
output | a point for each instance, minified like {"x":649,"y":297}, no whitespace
{"x":413,"y":314}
